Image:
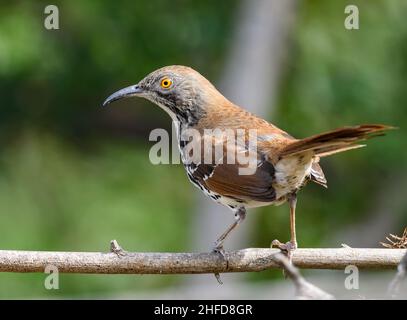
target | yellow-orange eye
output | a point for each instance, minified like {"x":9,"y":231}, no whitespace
{"x":166,"y":83}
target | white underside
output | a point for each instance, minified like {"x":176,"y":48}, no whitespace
{"x":290,"y":174}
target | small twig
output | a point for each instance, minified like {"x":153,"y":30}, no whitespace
{"x":217,"y":276}
{"x":304,"y":289}
{"x":116,"y":248}
{"x":395,"y":284}
{"x":396,"y":242}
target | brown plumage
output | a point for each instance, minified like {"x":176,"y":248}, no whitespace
{"x":283,"y":164}
{"x":335,"y":141}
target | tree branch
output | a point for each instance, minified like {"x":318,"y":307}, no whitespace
{"x":246,"y":260}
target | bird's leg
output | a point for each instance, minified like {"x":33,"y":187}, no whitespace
{"x":218,"y":247}
{"x":292,"y":201}
{"x":292,"y":244}
{"x":239,"y":216}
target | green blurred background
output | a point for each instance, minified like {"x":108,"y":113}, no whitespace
{"x":74,"y":175}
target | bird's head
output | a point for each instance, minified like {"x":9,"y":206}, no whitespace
{"x":181,"y":91}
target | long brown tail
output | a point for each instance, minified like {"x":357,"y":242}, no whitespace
{"x":338,"y":140}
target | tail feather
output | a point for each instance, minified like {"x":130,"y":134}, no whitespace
{"x":317,"y":175}
{"x":330,"y":151}
{"x":335,"y":141}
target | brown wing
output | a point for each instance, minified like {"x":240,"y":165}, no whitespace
{"x":226,"y":179}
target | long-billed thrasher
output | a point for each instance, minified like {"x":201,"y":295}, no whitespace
{"x":282,"y":164}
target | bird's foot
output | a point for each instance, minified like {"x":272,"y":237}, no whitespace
{"x":218,"y":249}
{"x":117,"y":249}
{"x":287,"y":248}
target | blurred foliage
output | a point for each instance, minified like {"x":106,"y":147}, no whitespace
{"x":57,"y":79}
{"x":54,"y":198}
{"x":74,"y":176}
{"x":64,"y":185}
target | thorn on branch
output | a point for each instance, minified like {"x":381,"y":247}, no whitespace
{"x":117,"y":249}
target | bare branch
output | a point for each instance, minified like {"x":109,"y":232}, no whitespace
{"x":246,"y":260}
{"x":399,"y":277}
{"x":304,"y":289}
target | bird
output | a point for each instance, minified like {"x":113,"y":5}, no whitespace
{"x":281,"y":165}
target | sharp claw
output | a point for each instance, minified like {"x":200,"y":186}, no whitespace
{"x":287,"y":248}
{"x":276,"y":244}
{"x":218,"y":248}
{"x":217,"y":276}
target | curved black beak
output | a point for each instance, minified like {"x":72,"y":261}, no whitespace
{"x":123,"y":93}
